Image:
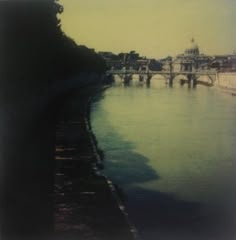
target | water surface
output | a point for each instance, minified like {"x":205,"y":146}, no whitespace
{"x":172,"y":152}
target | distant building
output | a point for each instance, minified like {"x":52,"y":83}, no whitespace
{"x":224,"y":63}
{"x":112,"y":60}
{"x":191,"y":59}
{"x":130,"y":60}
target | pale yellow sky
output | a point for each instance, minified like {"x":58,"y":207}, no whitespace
{"x":155,"y":28}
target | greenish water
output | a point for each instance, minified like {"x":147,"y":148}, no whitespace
{"x":172,"y":151}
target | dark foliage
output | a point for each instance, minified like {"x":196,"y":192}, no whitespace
{"x":34,"y":55}
{"x":34,"y":40}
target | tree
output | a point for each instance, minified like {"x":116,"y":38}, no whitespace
{"x":34,"y":53}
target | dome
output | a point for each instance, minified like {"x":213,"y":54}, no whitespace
{"x":192,"y":48}
{"x":192,"y":44}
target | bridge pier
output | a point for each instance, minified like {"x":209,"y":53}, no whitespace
{"x":149,"y":77}
{"x":194,"y":79}
{"x":189,"y":77}
{"x":127,"y":78}
{"x":110,"y":78}
{"x":171,"y":78}
{"x":141,"y":78}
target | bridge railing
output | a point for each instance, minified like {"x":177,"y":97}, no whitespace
{"x":197,"y":72}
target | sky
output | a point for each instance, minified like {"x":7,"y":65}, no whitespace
{"x":153,"y":28}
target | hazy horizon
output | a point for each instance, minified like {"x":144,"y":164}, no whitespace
{"x":152,"y":28}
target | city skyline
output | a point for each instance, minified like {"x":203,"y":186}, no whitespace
{"x":154,"y":29}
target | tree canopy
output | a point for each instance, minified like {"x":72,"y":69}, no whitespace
{"x":35,"y":42}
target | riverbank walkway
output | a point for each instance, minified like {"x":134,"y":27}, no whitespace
{"x":86,"y":205}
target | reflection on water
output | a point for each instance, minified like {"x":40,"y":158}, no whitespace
{"x":172,"y":151}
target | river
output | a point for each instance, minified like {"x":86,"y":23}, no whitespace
{"x":172,"y":152}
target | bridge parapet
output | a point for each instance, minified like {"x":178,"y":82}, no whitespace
{"x":197,"y":72}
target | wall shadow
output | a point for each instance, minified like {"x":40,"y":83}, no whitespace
{"x":121,"y":163}
{"x":159,"y":215}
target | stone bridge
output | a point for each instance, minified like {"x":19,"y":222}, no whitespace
{"x":169,"y":76}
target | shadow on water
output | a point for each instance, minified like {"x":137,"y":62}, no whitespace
{"x":132,"y":168}
{"x":125,"y":166}
{"x":157,"y":215}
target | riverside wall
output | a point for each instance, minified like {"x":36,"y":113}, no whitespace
{"x":226,"y":81}
{"x":87,"y":204}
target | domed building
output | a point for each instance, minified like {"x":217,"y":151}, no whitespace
{"x":192,"y":50}
{"x":191,"y":59}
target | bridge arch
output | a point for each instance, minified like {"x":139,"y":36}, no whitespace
{"x":117,"y":78}
{"x":158,"y":75}
{"x":180,"y":77}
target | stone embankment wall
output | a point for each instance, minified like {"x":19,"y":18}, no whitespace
{"x":226,"y":81}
